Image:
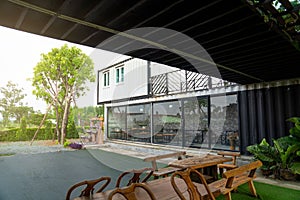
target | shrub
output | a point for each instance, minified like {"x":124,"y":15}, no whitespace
{"x":15,"y":134}
{"x":67,"y":143}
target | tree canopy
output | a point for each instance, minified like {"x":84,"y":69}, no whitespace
{"x":11,"y":105}
{"x":59,"y":78}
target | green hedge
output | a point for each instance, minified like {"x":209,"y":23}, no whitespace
{"x":16,"y":134}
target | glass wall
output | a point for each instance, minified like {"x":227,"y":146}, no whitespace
{"x":224,"y":122}
{"x":117,"y":122}
{"x":167,"y":123}
{"x":203,"y":122}
{"x":138,"y":122}
{"x":195,"y":122}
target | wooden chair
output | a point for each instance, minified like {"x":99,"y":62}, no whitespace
{"x":228,"y":166}
{"x":164,"y":172}
{"x":130,"y":192}
{"x":90,"y":186}
{"x":191,"y":188}
{"x":136,"y":175}
{"x":233,"y":178}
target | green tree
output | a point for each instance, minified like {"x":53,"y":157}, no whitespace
{"x":59,"y":78}
{"x":22,"y":111}
{"x":11,"y":101}
{"x":35,"y":118}
{"x":72,"y":131}
{"x":23,"y":125}
{"x":100,"y":110}
{"x":83,"y":115}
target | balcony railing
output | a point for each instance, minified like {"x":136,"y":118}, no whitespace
{"x":181,"y":81}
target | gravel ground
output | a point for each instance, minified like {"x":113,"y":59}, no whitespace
{"x":26,"y":148}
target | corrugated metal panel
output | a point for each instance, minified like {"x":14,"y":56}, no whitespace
{"x":263,"y":113}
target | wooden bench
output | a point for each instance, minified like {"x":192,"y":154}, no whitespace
{"x":164,"y":172}
{"x":236,"y":177}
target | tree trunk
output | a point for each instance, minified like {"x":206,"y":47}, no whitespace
{"x":65,"y":120}
{"x":58,"y":133}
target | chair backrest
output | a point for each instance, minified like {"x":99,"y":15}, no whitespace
{"x":90,"y":186}
{"x":250,"y":168}
{"x":130,"y":192}
{"x":191,"y":188}
{"x":234,"y":155}
{"x":135,"y":176}
{"x":153,"y":159}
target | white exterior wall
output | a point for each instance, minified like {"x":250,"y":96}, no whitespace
{"x":135,"y":81}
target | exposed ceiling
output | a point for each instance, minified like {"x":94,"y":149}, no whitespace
{"x":244,"y":48}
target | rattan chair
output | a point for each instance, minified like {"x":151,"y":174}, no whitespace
{"x":129,"y":192}
{"x":135,"y":176}
{"x":90,"y":186}
{"x":191,"y":189}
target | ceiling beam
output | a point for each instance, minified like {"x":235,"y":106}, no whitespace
{"x":21,"y":18}
{"x":68,"y":32}
{"x":129,"y":36}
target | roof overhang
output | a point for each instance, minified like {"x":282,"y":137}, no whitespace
{"x":227,"y":35}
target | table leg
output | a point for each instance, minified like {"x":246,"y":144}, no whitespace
{"x":211,"y":171}
{"x":214,"y":172}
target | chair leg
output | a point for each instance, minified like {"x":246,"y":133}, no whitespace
{"x":221,"y":171}
{"x":228,"y":196}
{"x":252,"y":188}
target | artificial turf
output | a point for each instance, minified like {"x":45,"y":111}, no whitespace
{"x":265,"y":192}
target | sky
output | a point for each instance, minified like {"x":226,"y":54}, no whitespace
{"x":20,"y":52}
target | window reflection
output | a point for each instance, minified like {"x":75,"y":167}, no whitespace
{"x":224,"y":122}
{"x":138,"y":123}
{"x":195,"y":122}
{"x":167,"y":123}
{"x":117,"y":122}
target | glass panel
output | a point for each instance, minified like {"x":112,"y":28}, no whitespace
{"x":138,"y":123}
{"x":122,"y":74}
{"x":117,"y":75}
{"x":224,"y":122}
{"x":196,"y":122}
{"x":167,"y":123}
{"x":107,"y":81}
{"x":104,"y":79}
{"x":117,"y":123}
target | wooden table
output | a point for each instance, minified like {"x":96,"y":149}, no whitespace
{"x":162,"y":190}
{"x":207,"y":162}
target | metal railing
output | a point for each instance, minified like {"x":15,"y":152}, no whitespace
{"x":184,"y":81}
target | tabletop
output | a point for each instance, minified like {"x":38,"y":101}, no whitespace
{"x":200,"y":161}
{"x":161,"y":188}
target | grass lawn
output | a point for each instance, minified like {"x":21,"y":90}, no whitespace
{"x":265,"y":192}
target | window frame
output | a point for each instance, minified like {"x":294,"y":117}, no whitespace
{"x":106,"y":77}
{"x":119,"y":74}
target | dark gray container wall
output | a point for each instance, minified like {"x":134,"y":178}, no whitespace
{"x":263,"y":113}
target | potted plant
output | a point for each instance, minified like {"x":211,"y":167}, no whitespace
{"x":288,"y":149}
{"x":266,"y":154}
{"x":282,"y":159}
{"x":291,"y":157}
